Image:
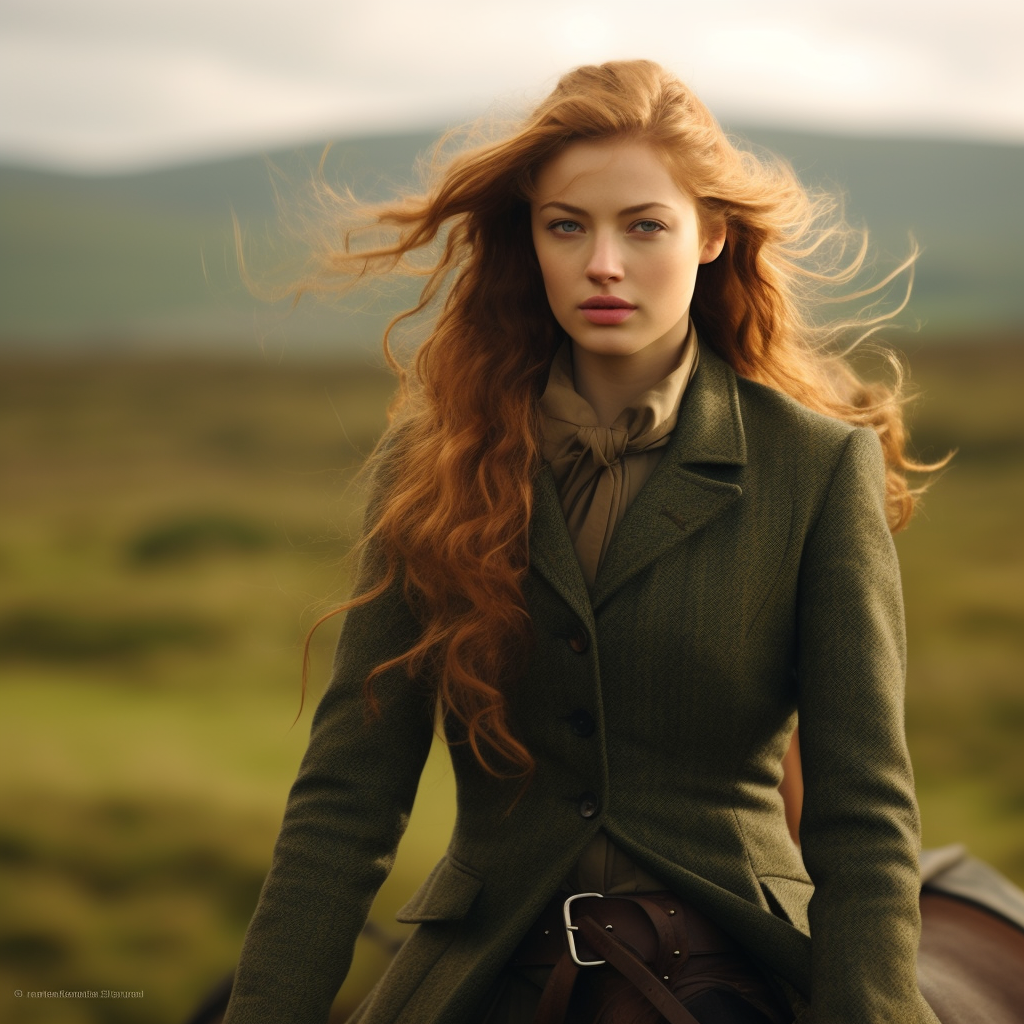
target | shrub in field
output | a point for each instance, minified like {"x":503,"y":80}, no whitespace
{"x":195,"y":536}
{"x":43,"y":634}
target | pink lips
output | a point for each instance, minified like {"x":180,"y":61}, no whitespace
{"x":606,"y":309}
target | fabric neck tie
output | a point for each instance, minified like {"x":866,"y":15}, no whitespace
{"x":599,"y":470}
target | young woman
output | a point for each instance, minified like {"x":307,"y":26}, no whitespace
{"x":631,"y":519}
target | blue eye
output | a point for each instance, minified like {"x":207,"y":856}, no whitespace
{"x":566,"y":227}
{"x":647,"y":227}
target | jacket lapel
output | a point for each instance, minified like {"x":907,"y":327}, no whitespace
{"x":680,"y":497}
{"x":551,"y":550}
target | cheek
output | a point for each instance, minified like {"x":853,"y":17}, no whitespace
{"x":676,"y":278}
{"x":552,"y":272}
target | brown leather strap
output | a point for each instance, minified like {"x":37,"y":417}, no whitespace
{"x":673,"y":943}
{"x":647,"y":938}
{"x":554,"y":1000}
{"x":656,"y":992}
{"x":649,"y":923}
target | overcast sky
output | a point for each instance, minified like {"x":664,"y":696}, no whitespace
{"x":120,"y":84}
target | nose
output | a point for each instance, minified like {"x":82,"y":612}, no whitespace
{"x":605,"y":263}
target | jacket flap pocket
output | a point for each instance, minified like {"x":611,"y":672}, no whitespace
{"x":446,"y":895}
{"x":788,"y":898}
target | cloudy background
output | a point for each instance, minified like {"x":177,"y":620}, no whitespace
{"x":115,"y":85}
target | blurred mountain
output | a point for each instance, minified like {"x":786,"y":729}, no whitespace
{"x":959,"y":200}
{"x":148,"y":260}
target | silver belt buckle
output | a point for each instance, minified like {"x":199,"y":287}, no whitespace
{"x":570,"y":928}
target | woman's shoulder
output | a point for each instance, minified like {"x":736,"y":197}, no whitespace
{"x":760,"y":402}
{"x":794,"y":444}
{"x":383,"y":466}
{"x":760,"y":405}
{"x":775,"y":421}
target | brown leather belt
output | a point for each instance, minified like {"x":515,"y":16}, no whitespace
{"x":638,"y":921}
{"x":648,"y":938}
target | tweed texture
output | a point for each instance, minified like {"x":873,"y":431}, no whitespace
{"x":753,"y":577}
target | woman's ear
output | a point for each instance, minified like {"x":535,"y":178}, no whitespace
{"x":714,"y":242}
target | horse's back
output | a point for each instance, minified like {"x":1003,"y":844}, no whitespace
{"x":970,"y":963}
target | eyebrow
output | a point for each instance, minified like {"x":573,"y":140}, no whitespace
{"x":579,"y":212}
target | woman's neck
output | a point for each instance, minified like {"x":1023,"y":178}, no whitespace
{"x":611,"y":383}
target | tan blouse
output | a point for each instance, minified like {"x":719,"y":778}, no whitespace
{"x":598,"y":472}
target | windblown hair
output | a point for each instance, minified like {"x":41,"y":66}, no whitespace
{"x":459,"y":460}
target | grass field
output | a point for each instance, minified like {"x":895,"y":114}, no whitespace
{"x":169,"y":531}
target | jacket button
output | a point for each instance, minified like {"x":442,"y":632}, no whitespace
{"x":578,"y":640}
{"x":589,"y":805}
{"x":582,"y":723}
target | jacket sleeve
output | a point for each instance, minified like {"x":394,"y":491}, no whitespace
{"x":860,"y":827}
{"x":345,"y":815}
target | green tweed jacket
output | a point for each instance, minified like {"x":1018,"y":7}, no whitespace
{"x":753,"y":578}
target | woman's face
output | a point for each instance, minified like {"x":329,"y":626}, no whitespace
{"x":619,"y":244}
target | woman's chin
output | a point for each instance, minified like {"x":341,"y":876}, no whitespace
{"x":614,"y":343}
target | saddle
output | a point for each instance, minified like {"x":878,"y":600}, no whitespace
{"x":970,"y":964}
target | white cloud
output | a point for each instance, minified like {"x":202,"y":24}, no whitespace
{"x":120,"y":82}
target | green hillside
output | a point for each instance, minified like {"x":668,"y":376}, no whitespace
{"x":148,"y":260}
{"x":960,"y":201}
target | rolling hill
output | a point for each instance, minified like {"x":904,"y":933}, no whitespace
{"x":147,"y":260}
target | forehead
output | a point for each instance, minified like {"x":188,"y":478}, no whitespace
{"x":618,"y":171}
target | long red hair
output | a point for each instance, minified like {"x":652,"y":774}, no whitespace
{"x":450,"y":519}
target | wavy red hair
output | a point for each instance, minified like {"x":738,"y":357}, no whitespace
{"x":450,"y":519}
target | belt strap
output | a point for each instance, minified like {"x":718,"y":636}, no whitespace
{"x":630,"y":966}
{"x":662,"y":943}
{"x":554,"y":1001}
{"x":649,"y":923}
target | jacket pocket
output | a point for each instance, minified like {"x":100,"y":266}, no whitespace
{"x":446,"y":895}
{"x":788,"y":898}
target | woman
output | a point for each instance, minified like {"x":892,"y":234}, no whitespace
{"x":630,"y":519}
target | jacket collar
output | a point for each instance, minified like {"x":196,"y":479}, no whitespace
{"x":679,"y":499}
